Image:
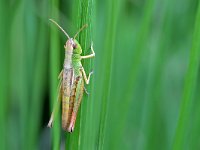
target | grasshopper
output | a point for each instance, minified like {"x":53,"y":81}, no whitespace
{"x":71,"y":84}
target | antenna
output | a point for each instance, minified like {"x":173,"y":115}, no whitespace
{"x":84,"y":26}
{"x":60,"y":28}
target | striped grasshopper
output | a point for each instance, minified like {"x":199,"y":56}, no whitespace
{"x":71,"y":85}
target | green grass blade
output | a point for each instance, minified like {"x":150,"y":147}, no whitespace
{"x":55,"y":50}
{"x":153,"y":95}
{"x":39,"y":80}
{"x":19,"y":80}
{"x":4,"y":61}
{"x":195,"y":121}
{"x":129,"y":87}
{"x":189,"y":87}
{"x":82,"y":9}
{"x":112,"y":10}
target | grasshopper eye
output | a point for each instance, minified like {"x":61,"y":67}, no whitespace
{"x":74,"y":46}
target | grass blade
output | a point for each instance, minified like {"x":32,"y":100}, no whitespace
{"x":189,"y":87}
{"x":4,"y":59}
{"x":54,"y":72}
{"x":83,"y":10}
{"x":112,"y":9}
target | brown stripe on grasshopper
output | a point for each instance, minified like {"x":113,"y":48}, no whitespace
{"x":71,"y":106}
{"x":79,"y":89}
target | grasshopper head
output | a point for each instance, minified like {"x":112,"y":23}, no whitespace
{"x":76,"y":47}
{"x":71,"y":44}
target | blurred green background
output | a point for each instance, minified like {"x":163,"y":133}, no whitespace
{"x":144,"y":93}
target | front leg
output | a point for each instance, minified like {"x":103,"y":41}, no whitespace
{"x":87,"y":80}
{"x":91,"y":55}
